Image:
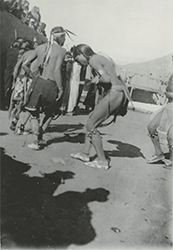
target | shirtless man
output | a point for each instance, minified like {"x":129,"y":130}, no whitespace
{"x":46,"y":89}
{"x":113,"y":103}
{"x":162,"y":123}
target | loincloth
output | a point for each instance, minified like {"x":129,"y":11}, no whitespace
{"x":41,"y":94}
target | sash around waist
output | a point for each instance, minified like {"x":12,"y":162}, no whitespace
{"x":46,"y":79}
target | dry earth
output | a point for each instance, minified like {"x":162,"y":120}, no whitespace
{"x":49,"y":200}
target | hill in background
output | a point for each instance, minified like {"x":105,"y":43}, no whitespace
{"x":148,"y":75}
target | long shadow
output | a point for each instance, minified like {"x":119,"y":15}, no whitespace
{"x":33,"y":218}
{"x":72,"y":138}
{"x":124,"y":150}
{"x":69,"y":134}
{"x":3,"y":133}
{"x":60,"y":128}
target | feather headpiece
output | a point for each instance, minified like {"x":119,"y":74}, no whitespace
{"x":60,"y":30}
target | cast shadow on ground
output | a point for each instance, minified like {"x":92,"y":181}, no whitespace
{"x":33,"y":218}
{"x":72,"y":138}
{"x":61,"y":128}
{"x":3,"y":133}
{"x":124,"y":150}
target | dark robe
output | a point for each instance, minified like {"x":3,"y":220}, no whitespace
{"x":11,"y":60}
{"x":66,"y":75}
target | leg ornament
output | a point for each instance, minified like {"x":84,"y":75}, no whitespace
{"x":153,"y":135}
{"x":92,"y":132}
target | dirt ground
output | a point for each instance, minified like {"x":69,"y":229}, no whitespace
{"x":49,"y":200}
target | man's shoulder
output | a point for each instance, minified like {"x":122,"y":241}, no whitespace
{"x":41,"y":47}
{"x":63,"y":50}
{"x":28,"y":53}
{"x":59,"y":47}
{"x":59,"y":50}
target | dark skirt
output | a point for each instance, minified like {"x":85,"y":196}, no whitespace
{"x":42,"y":94}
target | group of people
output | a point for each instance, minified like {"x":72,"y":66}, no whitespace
{"x":15,"y":52}
{"x":20,"y":9}
{"x":46,"y":92}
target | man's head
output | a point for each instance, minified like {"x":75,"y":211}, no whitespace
{"x":59,"y":35}
{"x":82,"y":53}
{"x":68,"y":57}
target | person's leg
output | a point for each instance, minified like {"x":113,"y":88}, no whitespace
{"x":12,"y":105}
{"x":35,"y":129}
{"x":24,"y":120}
{"x":103,"y":110}
{"x":106,"y":107}
{"x":152,"y":129}
{"x":87,"y":147}
{"x":46,"y":121}
{"x":12,"y":112}
{"x":85,"y":154}
{"x":169,"y":163}
{"x":43,"y":126}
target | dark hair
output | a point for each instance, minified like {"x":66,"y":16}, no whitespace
{"x":57,"y":29}
{"x":83,"y":49}
{"x":16,"y":44}
{"x":27,"y":44}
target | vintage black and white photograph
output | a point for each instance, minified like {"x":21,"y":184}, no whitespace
{"x":86,"y":124}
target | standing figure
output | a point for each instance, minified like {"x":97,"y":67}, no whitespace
{"x":162,"y":121}
{"x":45,"y":89}
{"x":21,"y":84}
{"x":113,"y":103}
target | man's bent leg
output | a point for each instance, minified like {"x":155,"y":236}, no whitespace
{"x":103,"y":110}
{"x":153,"y":134}
{"x":152,"y":130}
{"x":170,"y":144}
{"x":35,"y":129}
{"x":21,"y":128}
{"x":87,"y":146}
{"x":42,"y":128}
{"x":96,"y":140}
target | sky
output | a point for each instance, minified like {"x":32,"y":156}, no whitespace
{"x":129,"y":31}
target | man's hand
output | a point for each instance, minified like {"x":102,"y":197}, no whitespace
{"x":60,"y":92}
{"x":27,"y":70}
{"x":95,"y":80}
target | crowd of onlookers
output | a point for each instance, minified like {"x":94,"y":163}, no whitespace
{"x":20,"y":9}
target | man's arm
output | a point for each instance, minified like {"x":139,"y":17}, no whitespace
{"x":17,"y":67}
{"x":105,"y":70}
{"x":31,"y":57}
{"x":26,"y":63}
{"x":57,"y":71}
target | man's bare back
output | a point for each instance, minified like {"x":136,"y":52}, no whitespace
{"x":56,"y":57}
